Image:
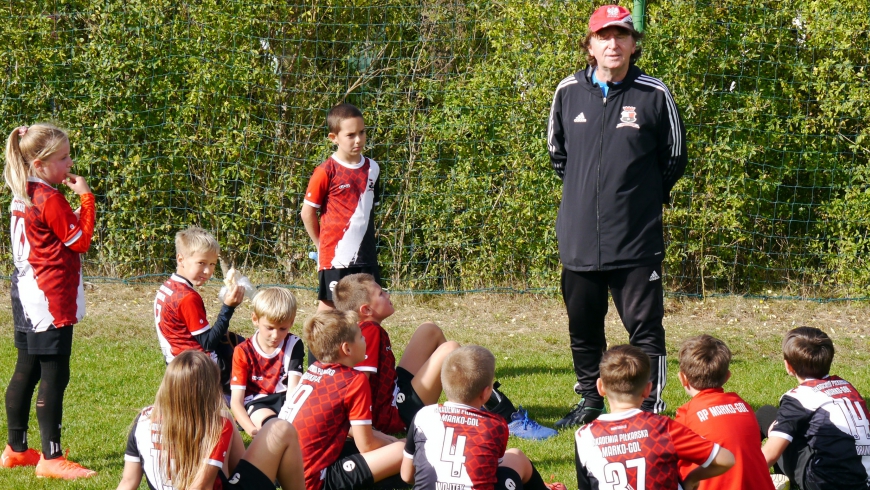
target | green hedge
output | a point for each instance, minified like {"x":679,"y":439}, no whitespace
{"x":211,"y":112}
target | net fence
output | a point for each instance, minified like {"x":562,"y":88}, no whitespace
{"x":213,"y":113}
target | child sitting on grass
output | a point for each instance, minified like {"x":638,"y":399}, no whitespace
{"x":820,"y":436}
{"x":269,"y":364}
{"x":475,"y":440}
{"x":186,"y":440}
{"x":179,"y":310}
{"x":721,"y":417}
{"x":629,"y":448}
{"x":331,"y":399}
{"x":399,"y":392}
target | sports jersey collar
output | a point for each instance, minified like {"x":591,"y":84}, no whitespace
{"x":38,"y":180}
{"x":459,"y":405}
{"x":711,"y":390}
{"x":619,"y":416}
{"x":362,"y":161}
{"x":175,"y":277}
{"x":260,"y":351}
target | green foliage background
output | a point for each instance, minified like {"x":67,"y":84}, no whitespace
{"x":212,"y":112}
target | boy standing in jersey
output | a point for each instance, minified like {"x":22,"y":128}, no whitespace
{"x":630,"y":448}
{"x":179,"y":310}
{"x":339,"y":205}
{"x":721,"y":417}
{"x":820,"y":436}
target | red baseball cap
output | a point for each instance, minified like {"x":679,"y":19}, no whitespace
{"x":611,"y":15}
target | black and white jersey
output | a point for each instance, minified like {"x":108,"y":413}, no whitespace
{"x":456,"y":447}
{"x":830,"y":417}
{"x":144,"y":447}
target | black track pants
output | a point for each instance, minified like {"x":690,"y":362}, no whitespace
{"x":639,"y":299}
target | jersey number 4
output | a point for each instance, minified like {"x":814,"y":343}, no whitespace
{"x":453,"y":452}
{"x":855,"y":417}
{"x":616,"y":477}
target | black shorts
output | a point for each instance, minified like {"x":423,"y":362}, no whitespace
{"x":328,"y":278}
{"x":407,"y":400}
{"x":273,"y":402}
{"x":508,"y":479}
{"x":348,"y":473}
{"x":247,"y":477}
{"x":54,"y":341}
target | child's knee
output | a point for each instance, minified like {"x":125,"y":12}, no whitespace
{"x":448,"y":347}
{"x":431,"y":330}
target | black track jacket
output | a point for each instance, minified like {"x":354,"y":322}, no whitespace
{"x":618,"y":159}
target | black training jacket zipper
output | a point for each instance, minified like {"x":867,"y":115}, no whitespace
{"x":598,"y":181}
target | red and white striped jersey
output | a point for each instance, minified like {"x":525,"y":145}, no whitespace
{"x":346,"y":195}
{"x":47,"y":239}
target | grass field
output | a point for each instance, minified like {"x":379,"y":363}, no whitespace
{"x":117,"y":366}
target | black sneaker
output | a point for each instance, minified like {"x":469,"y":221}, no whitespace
{"x":583,"y":412}
{"x":500,"y":404}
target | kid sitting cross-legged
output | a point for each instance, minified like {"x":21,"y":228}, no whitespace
{"x":269,"y":364}
{"x":820,"y":436}
{"x":333,"y":398}
{"x":629,"y":448}
{"x":474,"y":440}
{"x":179,"y":311}
{"x":723,"y":418}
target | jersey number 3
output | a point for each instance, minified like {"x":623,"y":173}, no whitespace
{"x":617,"y":479}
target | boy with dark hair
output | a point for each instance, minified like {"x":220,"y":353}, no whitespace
{"x":339,"y":205}
{"x":331,"y":399}
{"x":629,"y":448}
{"x":399,"y":392}
{"x":723,"y":418}
{"x":476,"y":440}
{"x":179,"y":310}
{"x":820,"y":436}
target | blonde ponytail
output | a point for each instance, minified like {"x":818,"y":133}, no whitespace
{"x":17,"y":170}
{"x":24,"y":145}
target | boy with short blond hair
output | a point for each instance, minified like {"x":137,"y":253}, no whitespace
{"x":721,"y":417}
{"x":629,"y":448}
{"x":331,"y":399}
{"x":338,"y":210}
{"x":475,"y":439}
{"x":398,"y":392}
{"x":179,"y":311}
{"x":820,"y":437}
{"x":269,"y":364}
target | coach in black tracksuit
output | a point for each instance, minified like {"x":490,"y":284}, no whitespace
{"x":616,"y":140}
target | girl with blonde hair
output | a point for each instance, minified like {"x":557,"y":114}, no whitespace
{"x":187,"y":440}
{"x":47,"y":291}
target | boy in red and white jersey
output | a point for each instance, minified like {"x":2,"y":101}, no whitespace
{"x":629,"y":448}
{"x":269,"y":364}
{"x":332,"y":399}
{"x":459,"y":446}
{"x":398,"y":392}
{"x":721,"y":417}
{"x":179,"y":311}
{"x":339,"y":205}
